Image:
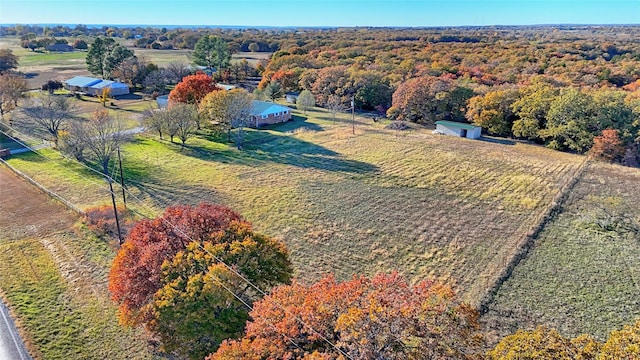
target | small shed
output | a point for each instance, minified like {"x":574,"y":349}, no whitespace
{"x":453,"y":128}
{"x":226,"y":87}
{"x":291,"y":97}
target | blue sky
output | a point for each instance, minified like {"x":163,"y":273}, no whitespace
{"x":321,"y":12}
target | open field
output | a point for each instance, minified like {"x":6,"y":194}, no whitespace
{"x":43,"y":66}
{"x":426,"y":205}
{"x":55,"y":280}
{"x":583,"y":273}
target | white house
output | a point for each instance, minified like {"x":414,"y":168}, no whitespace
{"x":458,"y":129}
{"x":266,"y":113}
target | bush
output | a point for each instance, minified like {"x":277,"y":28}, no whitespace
{"x":398,"y":125}
{"x":102,"y":221}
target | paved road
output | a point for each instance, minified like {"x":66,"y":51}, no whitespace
{"x":11,"y":345}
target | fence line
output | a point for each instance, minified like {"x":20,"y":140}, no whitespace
{"x":46,"y":191}
{"x":526,"y":243}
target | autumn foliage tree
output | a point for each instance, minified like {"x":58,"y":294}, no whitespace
{"x":183,"y":275}
{"x":193,"y":88}
{"x":379,"y":318}
{"x":427,"y":99}
{"x":607,"y":147}
{"x":543,"y":343}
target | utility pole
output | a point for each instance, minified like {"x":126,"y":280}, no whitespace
{"x":115,"y":210}
{"x":124,"y":198}
{"x":353,"y":115}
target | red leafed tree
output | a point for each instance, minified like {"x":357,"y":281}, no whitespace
{"x":608,"y":146}
{"x":193,"y":88}
{"x":136,"y":272}
{"x":379,"y":318}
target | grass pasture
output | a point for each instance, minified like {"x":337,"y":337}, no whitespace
{"x":583,"y":273}
{"x":54,"y":279}
{"x":425,"y":205}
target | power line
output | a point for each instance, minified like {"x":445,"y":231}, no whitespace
{"x":219,"y":260}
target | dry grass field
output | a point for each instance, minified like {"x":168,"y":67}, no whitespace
{"x":583,"y":273}
{"x":422,"y":204}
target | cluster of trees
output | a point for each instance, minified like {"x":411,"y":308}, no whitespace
{"x":558,"y":87}
{"x":197,"y":102}
{"x":204,"y":283}
{"x":189,"y":276}
{"x":110,"y":60}
{"x":33,"y":43}
{"x":12,"y":85}
{"x":563,"y":118}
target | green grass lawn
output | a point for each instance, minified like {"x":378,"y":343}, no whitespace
{"x":426,"y":205}
{"x":62,"y":319}
{"x":30,"y":58}
{"x":583,"y":274}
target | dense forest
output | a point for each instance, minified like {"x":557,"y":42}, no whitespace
{"x":561,"y":86}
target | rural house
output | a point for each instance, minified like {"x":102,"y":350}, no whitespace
{"x":59,"y":48}
{"x":93,"y":86}
{"x":453,"y":128}
{"x":266,"y":113}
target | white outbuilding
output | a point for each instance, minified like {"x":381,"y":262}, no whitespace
{"x":453,"y":128}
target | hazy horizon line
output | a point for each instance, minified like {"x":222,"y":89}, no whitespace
{"x":176,"y":26}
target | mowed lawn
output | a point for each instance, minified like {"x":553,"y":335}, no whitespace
{"x":583,"y":274}
{"x":426,"y":205}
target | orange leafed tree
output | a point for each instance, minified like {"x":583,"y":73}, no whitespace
{"x":136,"y":272}
{"x":193,"y":88}
{"x":608,"y":146}
{"x":379,"y":318}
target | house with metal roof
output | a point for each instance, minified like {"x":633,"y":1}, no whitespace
{"x":266,"y":113}
{"x":459,"y":129}
{"x":80,"y":83}
{"x":93,"y":86}
{"x":115,"y":88}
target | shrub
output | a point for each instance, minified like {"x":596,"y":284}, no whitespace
{"x":102,"y":221}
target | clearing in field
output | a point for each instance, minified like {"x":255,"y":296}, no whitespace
{"x":425,"y":205}
{"x":583,"y":273}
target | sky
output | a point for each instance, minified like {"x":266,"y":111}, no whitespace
{"x":401,"y":13}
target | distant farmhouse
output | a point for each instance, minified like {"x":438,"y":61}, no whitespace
{"x":458,"y":129}
{"x":93,"y":86}
{"x":59,"y":48}
{"x":267,"y":113}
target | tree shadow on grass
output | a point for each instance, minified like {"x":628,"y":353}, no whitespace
{"x":161,"y":195}
{"x":500,"y":141}
{"x":296,"y":123}
{"x":265,"y":147}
